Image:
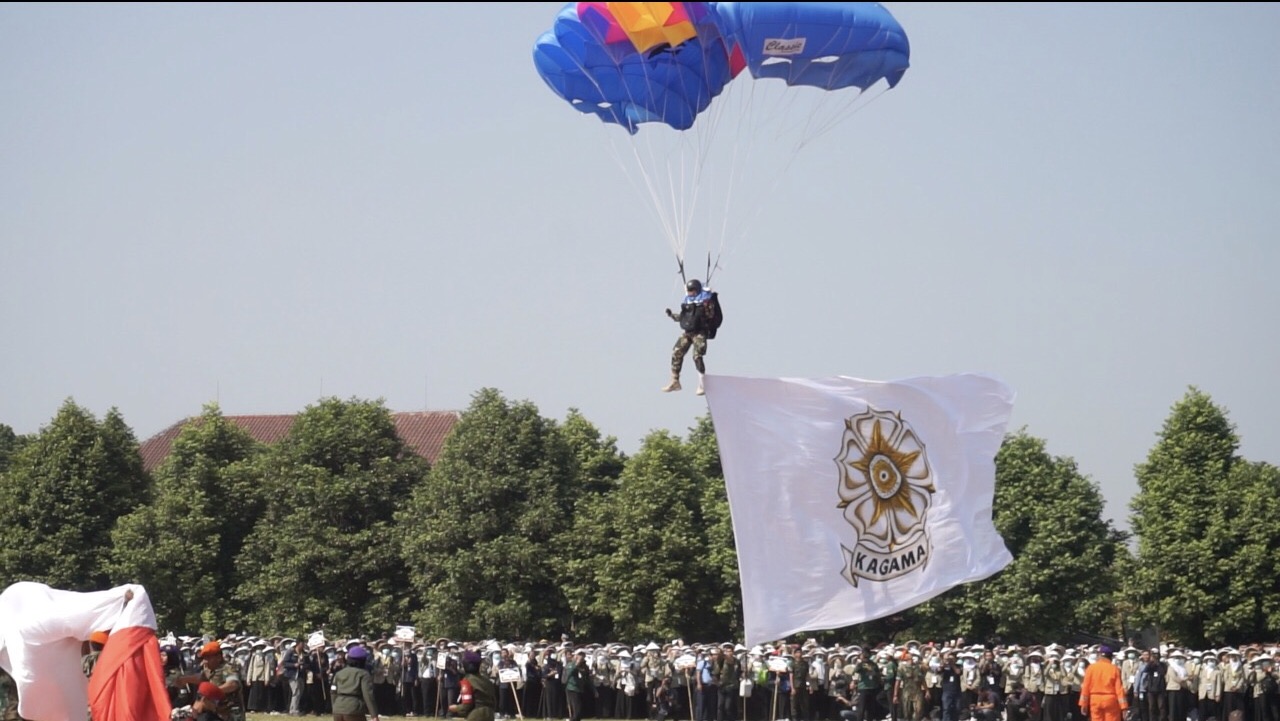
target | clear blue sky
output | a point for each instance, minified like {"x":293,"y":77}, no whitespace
{"x":264,"y":204}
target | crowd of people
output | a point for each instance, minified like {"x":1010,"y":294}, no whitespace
{"x":718,"y":682}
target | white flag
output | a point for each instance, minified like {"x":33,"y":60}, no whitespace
{"x":855,"y":499}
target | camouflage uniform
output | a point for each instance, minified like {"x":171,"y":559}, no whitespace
{"x":911,"y":687}
{"x":697,"y":312}
{"x":889,"y":675}
{"x":88,"y":662}
{"x":698,"y":341}
{"x":233,"y":707}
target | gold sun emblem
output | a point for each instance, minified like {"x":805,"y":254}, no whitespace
{"x":885,"y":483}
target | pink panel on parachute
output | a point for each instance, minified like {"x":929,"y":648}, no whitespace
{"x":737,"y":61}
{"x":678,"y":15}
{"x":596,"y":16}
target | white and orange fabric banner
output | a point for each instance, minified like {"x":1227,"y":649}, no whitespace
{"x":42,"y":632}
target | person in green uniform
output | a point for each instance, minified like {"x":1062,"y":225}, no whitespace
{"x":97,"y":640}
{"x":909,"y":691}
{"x":352,"y":688}
{"x":210,"y":704}
{"x":577,"y":680}
{"x":868,"y":684}
{"x":799,"y":686}
{"x":226,"y":675}
{"x":477,"y":697}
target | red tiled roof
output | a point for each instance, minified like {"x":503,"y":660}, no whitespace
{"x":423,"y":431}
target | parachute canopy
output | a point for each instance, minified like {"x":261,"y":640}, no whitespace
{"x":825,"y":45}
{"x":674,"y":69}
{"x":632,"y":63}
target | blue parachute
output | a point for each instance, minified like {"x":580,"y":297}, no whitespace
{"x":829,"y":45}
{"x":632,"y":63}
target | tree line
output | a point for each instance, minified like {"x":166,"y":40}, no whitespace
{"x":529,"y":527}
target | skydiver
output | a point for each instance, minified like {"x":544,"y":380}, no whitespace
{"x":699,"y":318}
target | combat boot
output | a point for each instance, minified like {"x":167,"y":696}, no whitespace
{"x":674,"y":385}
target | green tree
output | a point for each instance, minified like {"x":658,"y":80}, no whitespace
{"x":599,"y":462}
{"x":653,"y":575}
{"x":9,"y":444}
{"x":483,"y":532}
{"x":61,"y":497}
{"x":182,"y":547}
{"x":1180,"y":578}
{"x":1062,"y":578}
{"x":591,"y":614}
{"x":724,"y":592}
{"x":1247,"y":540}
{"x":598,"y":466}
{"x":324,"y":553}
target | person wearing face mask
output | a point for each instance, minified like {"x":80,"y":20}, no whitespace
{"x":1054,"y":706}
{"x":1014,"y":671}
{"x":1176,"y":683}
{"x":1209,"y":687}
{"x":817,"y":685}
{"x":1073,"y":674}
{"x":1191,"y":696}
{"x":1264,"y":687}
{"x":1141,"y":690}
{"x":970,"y":680}
{"x":1233,"y":684}
{"x":653,"y":669}
{"x":1033,"y":681}
{"x":932,"y":682}
{"x":1129,"y":668}
{"x":841,"y":696}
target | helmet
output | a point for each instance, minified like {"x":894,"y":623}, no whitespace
{"x":693,"y":286}
{"x":357,"y":653}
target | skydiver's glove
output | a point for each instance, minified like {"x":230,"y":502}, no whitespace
{"x":671,"y":315}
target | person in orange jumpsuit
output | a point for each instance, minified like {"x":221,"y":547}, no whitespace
{"x":1102,"y":695}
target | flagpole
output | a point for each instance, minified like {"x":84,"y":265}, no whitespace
{"x":689,"y":687}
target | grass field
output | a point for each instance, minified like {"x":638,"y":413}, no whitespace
{"x":283,"y":717}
